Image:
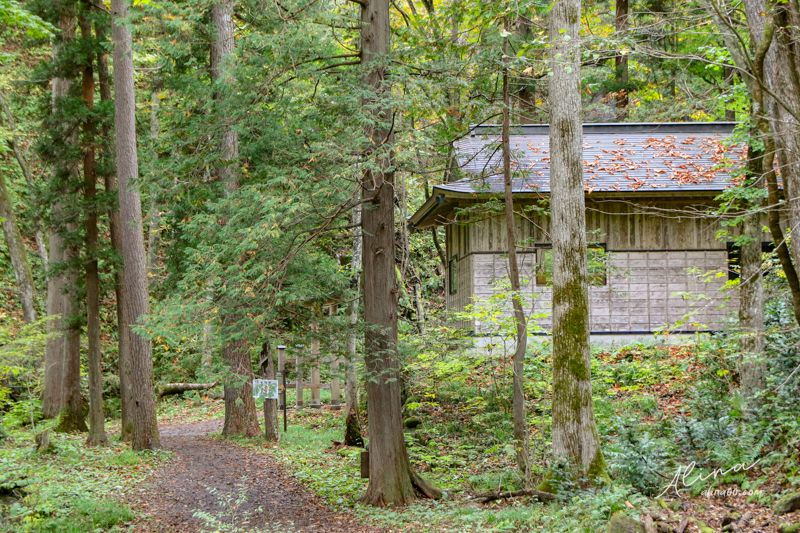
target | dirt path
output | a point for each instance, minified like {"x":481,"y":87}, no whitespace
{"x":216,"y":486}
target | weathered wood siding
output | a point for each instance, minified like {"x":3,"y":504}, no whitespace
{"x":665,"y":267}
{"x":457,"y":241}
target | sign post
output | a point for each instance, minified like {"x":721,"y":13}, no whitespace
{"x":265,"y":389}
{"x":282,"y":370}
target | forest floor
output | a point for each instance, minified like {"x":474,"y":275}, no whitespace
{"x":211,"y":485}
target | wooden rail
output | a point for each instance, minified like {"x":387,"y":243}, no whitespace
{"x":315,"y":385}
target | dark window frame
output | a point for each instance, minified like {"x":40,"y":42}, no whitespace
{"x":452,"y":275}
{"x":734,"y":257}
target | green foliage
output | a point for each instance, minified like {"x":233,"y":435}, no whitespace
{"x":88,"y":515}
{"x":14,"y":17}
{"x":72,"y":489}
{"x":21,"y":348}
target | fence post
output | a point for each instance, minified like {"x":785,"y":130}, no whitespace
{"x":281,"y":374}
{"x":336,"y":390}
{"x":298,"y":389}
{"x":315,"y":380}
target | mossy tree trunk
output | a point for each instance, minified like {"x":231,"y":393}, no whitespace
{"x":575,"y":436}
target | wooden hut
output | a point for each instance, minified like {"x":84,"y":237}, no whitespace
{"x":656,"y":261}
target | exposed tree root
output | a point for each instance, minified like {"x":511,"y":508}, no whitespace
{"x":423,"y":488}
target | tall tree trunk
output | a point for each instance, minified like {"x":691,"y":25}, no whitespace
{"x":777,"y":70}
{"x":759,"y":75}
{"x":62,"y":388}
{"x":621,"y":59}
{"x":520,"y":321}
{"x":574,"y":431}
{"x":752,"y":367}
{"x":138,"y":364}
{"x":391,"y":480}
{"x":97,"y":432}
{"x":352,"y":434}
{"x":110,"y":186}
{"x":19,"y":256}
{"x":774,"y":223}
{"x":241,"y":416}
{"x":19,"y":155}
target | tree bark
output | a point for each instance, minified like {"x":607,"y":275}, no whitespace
{"x":110,"y":186}
{"x":19,"y":256}
{"x":138,"y":364}
{"x":521,"y":446}
{"x":62,"y":392}
{"x":574,"y":431}
{"x":97,"y":433}
{"x":775,"y":229}
{"x":773,"y":31}
{"x":391,"y":480}
{"x":752,"y":365}
{"x":241,"y":416}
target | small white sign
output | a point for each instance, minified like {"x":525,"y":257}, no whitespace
{"x":265,"y":389}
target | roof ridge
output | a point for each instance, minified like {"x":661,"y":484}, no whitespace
{"x":612,"y":127}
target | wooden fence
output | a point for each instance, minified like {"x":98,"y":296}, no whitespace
{"x":315,"y":385}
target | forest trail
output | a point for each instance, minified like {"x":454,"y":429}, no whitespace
{"x":212,"y":485}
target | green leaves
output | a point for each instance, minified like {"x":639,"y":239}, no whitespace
{"x":15,"y":18}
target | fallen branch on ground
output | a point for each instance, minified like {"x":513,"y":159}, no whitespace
{"x":168,"y":389}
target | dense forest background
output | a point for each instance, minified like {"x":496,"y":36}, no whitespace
{"x":186,"y":185}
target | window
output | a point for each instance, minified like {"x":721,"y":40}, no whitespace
{"x":596,"y":266}
{"x":452,"y":275}
{"x":734,"y":257}
{"x":544,"y":267}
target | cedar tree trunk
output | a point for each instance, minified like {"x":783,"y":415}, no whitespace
{"x":137,"y":366}
{"x":391,"y":480}
{"x":110,"y":185}
{"x":97,"y":433}
{"x":62,"y":387}
{"x":241,"y":416}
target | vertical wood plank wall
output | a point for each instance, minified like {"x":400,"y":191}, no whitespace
{"x":666,"y":266}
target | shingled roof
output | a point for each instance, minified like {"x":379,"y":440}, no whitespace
{"x":625,"y":158}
